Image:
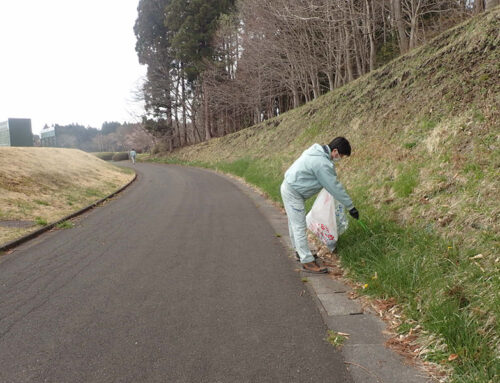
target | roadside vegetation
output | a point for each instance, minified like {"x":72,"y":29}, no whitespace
{"x":424,"y":175}
{"x":112,"y":156}
{"x":39,"y":186}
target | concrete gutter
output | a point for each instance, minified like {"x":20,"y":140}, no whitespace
{"x":34,"y":234}
{"x":365,"y":354}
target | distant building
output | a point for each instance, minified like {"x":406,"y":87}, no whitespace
{"x":48,"y":137}
{"x":16,"y":132}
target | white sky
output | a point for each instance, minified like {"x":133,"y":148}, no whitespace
{"x":69,"y":61}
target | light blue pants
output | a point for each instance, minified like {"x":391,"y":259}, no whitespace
{"x":296,"y":213}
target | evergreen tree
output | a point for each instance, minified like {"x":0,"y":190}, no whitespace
{"x":109,"y":127}
{"x":192,"y":25}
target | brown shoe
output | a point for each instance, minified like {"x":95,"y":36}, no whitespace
{"x":312,"y":267}
{"x":297,"y":257}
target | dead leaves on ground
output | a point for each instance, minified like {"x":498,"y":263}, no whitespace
{"x":406,"y":344}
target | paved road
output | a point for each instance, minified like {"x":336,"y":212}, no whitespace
{"x":178,"y":279}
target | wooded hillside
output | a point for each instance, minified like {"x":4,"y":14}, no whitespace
{"x":217,"y":66}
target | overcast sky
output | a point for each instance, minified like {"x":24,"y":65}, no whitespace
{"x":68,"y":61}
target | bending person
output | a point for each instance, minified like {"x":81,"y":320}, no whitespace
{"x":311,"y":172}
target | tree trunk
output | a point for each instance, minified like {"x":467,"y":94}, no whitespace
{"x":256,"y":115}
{"x":206,"y":120}
{"x":479,"y":6}
{"x":184,"y":119}
{"x":370,"y":24}
{"x":347,"y":57}
{"x":358,"y":57}
{"x":296,"y":98}
{"x":413,"y":31}
{"x":307,"y":92}
{"x":315,"y":83}
{"x":355,"y":45}
{"x":339,"y":81}
{"x":169,"y":102}
{"x":195,"y":128}
{"x":176,"y":111}
{"x":400,"y":25}
{"x":227,"y":128}
{"x":331,"y":81}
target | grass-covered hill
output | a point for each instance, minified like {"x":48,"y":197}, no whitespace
{"x":424,"y":175}
{"x":43,"y":185}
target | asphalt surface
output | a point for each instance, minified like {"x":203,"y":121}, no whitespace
{"x":178,"y":279}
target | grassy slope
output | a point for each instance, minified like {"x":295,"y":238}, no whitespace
{"x":46,"y":184}
{"x":424,"y":175}
{"x":423,"y":127}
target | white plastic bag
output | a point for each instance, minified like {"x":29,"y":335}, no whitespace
{"x":327,"y":219}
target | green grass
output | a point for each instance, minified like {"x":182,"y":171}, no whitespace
{"x":406,"y":181}
{"x":90,"y":192}
{"x":335,"y":339}
{"x":127,"y":170}
{"x":427,"y":124}
{"x":433,"y":283}
{"x":409,"y":145}
{"x":479,"y":116}
{"x":265,"y":174}
{"x":24,"y":207}
{"x":65,"y":225}
{"x":474,"y":171}
{"x":71,"y":199}
{"x":43,"y":203}
{"x":40,"y":221}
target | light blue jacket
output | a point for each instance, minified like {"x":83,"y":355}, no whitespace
{"x":314,"y":170}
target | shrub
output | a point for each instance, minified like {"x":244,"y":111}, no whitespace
{"x":160,"y":147}
{"x":120,"y":156}
{"x":106,"y":156}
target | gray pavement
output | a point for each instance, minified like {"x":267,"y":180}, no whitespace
{"x":178,"y":279}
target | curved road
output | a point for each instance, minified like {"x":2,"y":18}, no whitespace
{"x":178,"y":279}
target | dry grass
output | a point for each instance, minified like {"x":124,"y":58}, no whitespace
{"x":50,"y":183}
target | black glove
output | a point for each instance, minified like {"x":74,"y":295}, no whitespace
{"x":354,"y":213}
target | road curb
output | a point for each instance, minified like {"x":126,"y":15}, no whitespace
{"x":9,"y":245}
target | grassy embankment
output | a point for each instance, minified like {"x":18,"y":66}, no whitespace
{"x":424,"y":175}
{"x":43,"y":185}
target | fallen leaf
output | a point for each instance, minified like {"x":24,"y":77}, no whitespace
{"x":452,"y":357}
